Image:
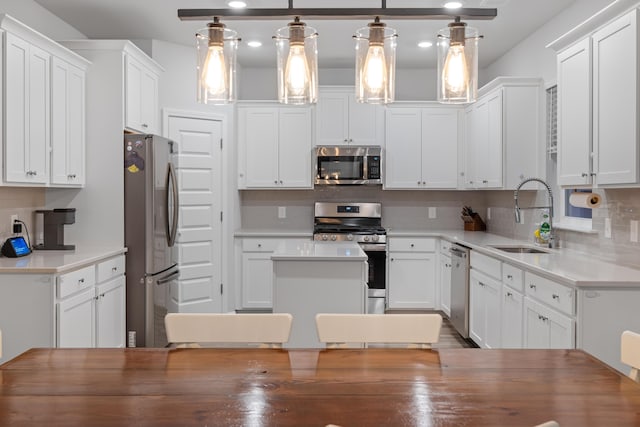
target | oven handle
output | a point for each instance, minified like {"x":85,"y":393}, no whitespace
{"x":373,"y":247}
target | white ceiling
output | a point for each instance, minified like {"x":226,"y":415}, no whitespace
{"x":157,"y":19}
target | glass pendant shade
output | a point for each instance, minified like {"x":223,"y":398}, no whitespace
{"x":297,"y":59}
{"x":375,"y":63}
{"x":216,"y":50}
{"x":458,"y":64}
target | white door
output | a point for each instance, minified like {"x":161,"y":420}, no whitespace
{"x":198,"y":159}
{"x":257,"y":280}
{"x":294,"y":147}
{"x":403,"y":162}
{"x":536,"y":328}
{"x":332,"y":118}
{"x":365,"y":122}
{"x":439,"y":148}
{"x":258,"y":134}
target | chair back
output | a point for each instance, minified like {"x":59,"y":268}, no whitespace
{"x":549,"y":424}
{"x":192,"y":329}
{"x":415,"y":330}
{"x":630,"y":353}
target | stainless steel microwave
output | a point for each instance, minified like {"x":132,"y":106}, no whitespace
{"x":348,"y":165}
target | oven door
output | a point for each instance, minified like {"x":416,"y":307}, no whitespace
{"x":376,"y":283}
{"x":340,"y":170}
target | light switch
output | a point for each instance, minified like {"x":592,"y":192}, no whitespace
{"x":633,"y":235}
{"x":432,"y":212}
{"x":282,"y":212}
{"x":488,"y":214}
{"x":607,"y":228}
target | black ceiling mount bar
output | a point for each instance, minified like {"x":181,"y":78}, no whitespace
{"x":433,"y":13}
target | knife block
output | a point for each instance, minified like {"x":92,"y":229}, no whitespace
{"x":474,"y":223}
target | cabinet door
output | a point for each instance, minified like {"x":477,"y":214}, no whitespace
{"x":365,"y":122}
{"x":111,"y":314}
{"x":492,"y":154}
{"x":149,"y":101}
{"x":615,"y":101}
{"x":332,"y":118}
{"x":257,"y":280}
{"x":76,"y":320}
{"x":67,"y":124}
{"x":477,"y":308}
{"x":547,"y":328}
{"x":411,"y":281}
{"x":471,"y":143}
{"x":294,"y":148}
{"x":445,"y":284}
{"x":27,"y":101}
{"x":574,"y":114}
{"x":258,"y":133}
{"x":439,"y":148}
{"x":512,"y":302}
{"x":493,"y":312}
{"x":403,"y":161}
{"x":133,"y":91}
{"x":536,"y":330}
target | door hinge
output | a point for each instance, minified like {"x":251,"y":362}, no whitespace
{"x":221,"y":288}
{"x":220,"y":216}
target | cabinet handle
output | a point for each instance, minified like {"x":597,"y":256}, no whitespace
{"x":412,"y":245}
{"x":71,"y":176}
{"x":101,"y":295}
{"x":346,"y":140}
{"x":391,"y":259}
{"x":259,"y":245}
{"x":555,"y":296}
{"x":418,"y":182}
{"x":509,"y":276}
{"x":484,"y":181}
{"x":350,"y":140}
{"x":114,"y":268}
{"x":532,"y":286}
{"x":144,"y":125}
{"x":509,"y":294}
{"x":424,"y":182}
{"x":96,"y":297}
{"x":592,"y":174}
{"x":280,"y":181}
{"x":81,"y":280}
{"x":584,"y":175}
{"x":482,"y":284}
{"x":275,"y":181}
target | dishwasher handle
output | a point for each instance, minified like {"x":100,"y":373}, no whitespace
{"x":458,"y":252}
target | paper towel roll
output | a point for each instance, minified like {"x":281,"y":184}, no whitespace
{"x":585,"y":200}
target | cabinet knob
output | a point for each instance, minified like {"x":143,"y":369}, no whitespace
{"x":509,"y":294}
{"x":350,"y":140}
{"x":418,"y":182}
{"x":81,"y":281}
{"x":391,"y":259}
{"x":412,"y":245}
{"x":114,"y":268}
{"x":144,"y":125}
{"x":509,"y":276}
{"x":259,"y":245}
{"x":96,"y":297}
{"x":280,"y":181}
{"x":584,"y":175}
{"x":484,"y":181}
{"x":532,"y":286}
{"x":555,"y":296}
{"x":481,"y":284}
{"x":592,"y":174}
{"x":275,"y":181}
{"x":346,"y":140}
{"x":424,"y":182}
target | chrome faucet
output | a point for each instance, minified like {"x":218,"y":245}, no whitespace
{"x":550,"y":206}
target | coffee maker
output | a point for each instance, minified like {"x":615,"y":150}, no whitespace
{"x":53,"y":222}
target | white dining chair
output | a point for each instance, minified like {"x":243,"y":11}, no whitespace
{"x":0,"y":343}
{"x":193,"y":329}
{"x":415,"y":330}
{"x":630,"y":353}
{"x":549,"y":424}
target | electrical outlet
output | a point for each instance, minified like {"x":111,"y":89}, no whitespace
{"x":432,"y":213}
{"x":607,"y":228}
{"x":488,"y":214}
{"x":131,"y":341}
{"x":14,"y":218}
{"x":633,"y":231}
{"x":282,"y":212}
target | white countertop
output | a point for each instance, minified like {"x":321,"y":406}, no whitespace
{"x":50,"y":262}
{"x":318,"y":251}
{"x":256,"y":232}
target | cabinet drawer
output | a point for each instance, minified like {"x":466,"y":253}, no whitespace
{"x":554,"y":294}
{"x":409,"y":244}
{"x":445,"y":245}
{"x":260,"y":245}
{"x":489,"y":266}
{"x":513,"y":277}
{"x":111,"y":268}
{"x":75,"y":281}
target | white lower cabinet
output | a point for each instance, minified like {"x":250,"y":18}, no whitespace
{"x":256,"y":291}
{"x":484,"y":310}
{"x":512,"y":309}
{"x":76,"y":320}
{"x":411,"y":272}
{"x":546,"y":328}
{"x":445,"y":283}
{"x":111,"y":313}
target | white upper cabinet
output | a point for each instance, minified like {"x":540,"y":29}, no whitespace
{"x":67,"y":124}
{"x":275,"y":145}
{"x":574,"y":114}
{"x":598,"y":106}
{"x":504,"y":134}
{"x":421,"y":147}
{"x":141,"y":94}
{"x":343,"y":121}
{"x":44,"y":92}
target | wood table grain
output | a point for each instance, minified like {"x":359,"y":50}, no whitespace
{"x":271,"y":387}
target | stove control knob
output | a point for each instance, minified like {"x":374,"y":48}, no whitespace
{"x":325,"y":237}
{"x":366,"y":238}
{"x":333,"y":237}
{"x":349,"y":237}
{"x":375,"y":238}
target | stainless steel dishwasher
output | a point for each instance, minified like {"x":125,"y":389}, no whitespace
{"x":460,"y":289}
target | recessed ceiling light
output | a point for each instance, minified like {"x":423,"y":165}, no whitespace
{"x":425,"y":44}
{"x":453,"y":5}
{"x":254,"y":43}
{"x":237,"y":4}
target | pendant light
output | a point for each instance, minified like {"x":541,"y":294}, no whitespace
{"x":375,"y":63}
{"x":216,"y":49}
{"x":458,"y":63}
{"x":297,"y":59}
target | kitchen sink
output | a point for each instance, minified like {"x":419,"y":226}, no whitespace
{"x":521,"y":249}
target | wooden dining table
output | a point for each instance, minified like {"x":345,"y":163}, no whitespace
{"x":345,"y":387}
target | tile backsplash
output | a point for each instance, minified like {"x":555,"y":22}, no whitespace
{"x":22,"y":202}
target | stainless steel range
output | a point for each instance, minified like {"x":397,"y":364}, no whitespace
{"x":361,"y":223}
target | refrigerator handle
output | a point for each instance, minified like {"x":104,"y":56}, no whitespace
{"x":171,"y":229}
{"x":169,"y":278}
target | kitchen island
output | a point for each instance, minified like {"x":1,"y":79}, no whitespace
{"x":317,"y":277}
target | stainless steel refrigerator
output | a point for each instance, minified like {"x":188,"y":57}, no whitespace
{"x":151,"y":222}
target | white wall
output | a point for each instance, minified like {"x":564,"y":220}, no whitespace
{"x":530,"y":58}
{"x":35,"y":16}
